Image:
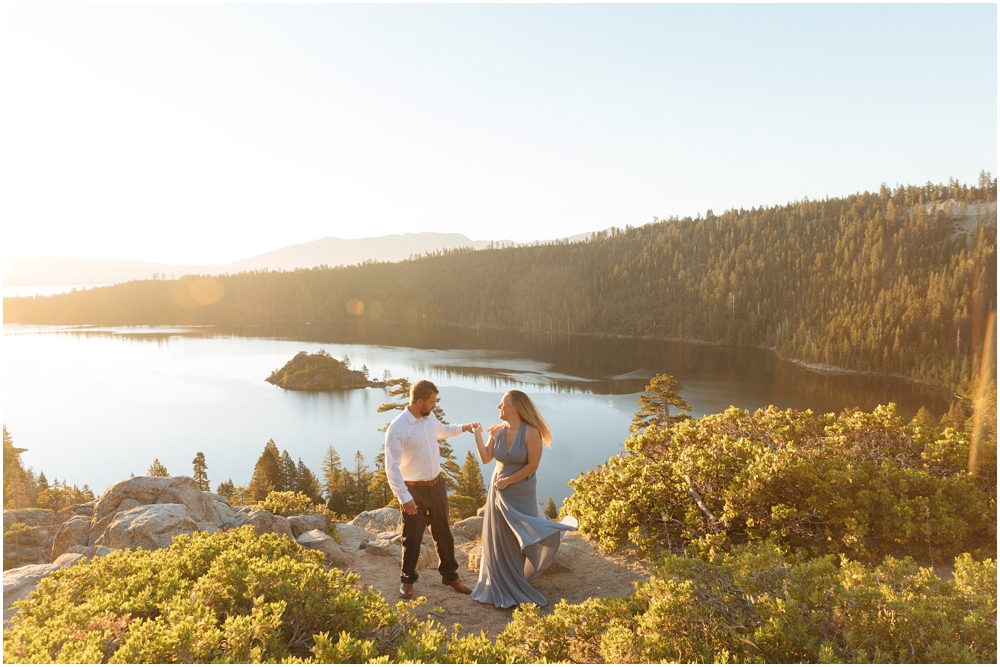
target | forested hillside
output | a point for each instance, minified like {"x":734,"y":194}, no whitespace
{"x":899,"y":281}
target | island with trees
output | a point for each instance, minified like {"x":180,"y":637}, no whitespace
{"x":320,"y":372}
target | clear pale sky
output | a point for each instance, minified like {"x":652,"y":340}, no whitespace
{"x":208,"y":134}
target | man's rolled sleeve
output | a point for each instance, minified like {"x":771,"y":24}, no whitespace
{"x":448,"y":430}
{"x":393,"y":455}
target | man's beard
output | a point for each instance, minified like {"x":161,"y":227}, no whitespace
{"x":424,"y":413}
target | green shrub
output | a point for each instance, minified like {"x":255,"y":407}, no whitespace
{"x":224,"y":597}
{"x":860,"y":484}
{"x":758,"y":604}
{"x":294,"y":503}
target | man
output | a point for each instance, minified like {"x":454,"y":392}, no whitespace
{"x":413,"y":467}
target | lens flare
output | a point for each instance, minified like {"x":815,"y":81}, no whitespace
{"x":355,"y":307}
{"x":985,"y":377}
{"x":196,"y":293}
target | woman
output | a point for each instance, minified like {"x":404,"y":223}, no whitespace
{"x":518,"y":544}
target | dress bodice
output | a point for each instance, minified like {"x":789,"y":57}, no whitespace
{"x":509,"y":462}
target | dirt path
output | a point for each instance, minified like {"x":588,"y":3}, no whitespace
{"x":579,"y":571}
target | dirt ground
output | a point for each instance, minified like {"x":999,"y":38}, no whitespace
{"x":578,"y":572}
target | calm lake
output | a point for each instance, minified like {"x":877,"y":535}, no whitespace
{"x":93,"y":405}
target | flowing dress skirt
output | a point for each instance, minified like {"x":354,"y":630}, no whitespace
{"x":518,"y":544}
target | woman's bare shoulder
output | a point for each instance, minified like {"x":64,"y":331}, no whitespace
{"x":532,"y":433}
{"x":494,"y":428}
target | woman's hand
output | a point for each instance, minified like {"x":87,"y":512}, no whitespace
{"x":502,"y":483}
{"x":477,"y":428}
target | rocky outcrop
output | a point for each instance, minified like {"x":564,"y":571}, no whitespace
{"x":147,"y":527}
{"x":352,"y":538}
{"x":265,"y":522}
{"x":470,"y":529}
{"x":181,"y":490}
{"x":75,"y":532}
{"x":20,"y":582}
{"x":475,"y":557}
{"x":320,"y":541}
{"x":382,"y":546}
{"x":379,"y":521}
{"x":90,"y":552}
{"x":303,"y":523}
{"x":32,"y":534}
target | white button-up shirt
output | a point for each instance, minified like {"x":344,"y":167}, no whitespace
{"x":411,"y":450}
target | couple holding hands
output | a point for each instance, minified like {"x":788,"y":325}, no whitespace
{"x":518,"y":543}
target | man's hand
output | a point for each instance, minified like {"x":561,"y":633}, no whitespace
{"x":410,"y":507}
{"x":471,"y":427}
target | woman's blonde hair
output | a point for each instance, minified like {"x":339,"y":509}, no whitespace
{"x":529,"y":413}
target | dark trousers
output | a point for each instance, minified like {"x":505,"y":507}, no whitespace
{"x":432,"y":509}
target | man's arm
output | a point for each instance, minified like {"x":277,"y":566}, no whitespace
{"x":393,"y":455}
{"x":450,"y":430}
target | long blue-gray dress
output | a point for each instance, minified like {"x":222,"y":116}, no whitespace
{"x":518,"y":543}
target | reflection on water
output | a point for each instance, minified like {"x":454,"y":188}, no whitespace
{"x":100,"y":403}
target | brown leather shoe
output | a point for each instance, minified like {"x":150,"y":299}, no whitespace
{"x":406,"y":591}
{"x":457,"y":584}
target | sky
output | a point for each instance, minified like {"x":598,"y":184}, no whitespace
{"x":210,"y":133}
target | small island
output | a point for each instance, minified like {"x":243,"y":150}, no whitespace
{"x":320,"y":372}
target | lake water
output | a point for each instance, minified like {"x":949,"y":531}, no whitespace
{"x":93,"y":405}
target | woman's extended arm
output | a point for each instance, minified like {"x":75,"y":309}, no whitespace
{"x":534,"y":444}
{"x":485,"y":449}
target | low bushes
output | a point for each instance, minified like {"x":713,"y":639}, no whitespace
{"x":224,"y":597}
{"x":861,"y":484}
{"x":760,"y":604}
{"x":292,"y":503}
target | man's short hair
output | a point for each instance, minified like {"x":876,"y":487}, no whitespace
{"x":422,"y":389}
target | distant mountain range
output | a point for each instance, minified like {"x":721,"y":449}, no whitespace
{"x":23,"y":271}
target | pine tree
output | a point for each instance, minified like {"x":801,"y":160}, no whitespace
{"x":957,"y":415}
{"x":449,"y":465}
{"x":307,"y":483}
{"x":357,"y":489}
{"x":470,"y":493}
{"x":550,"y":510}
{"x":201,"y":472}
{"x":266,"y":473}
{"x":334,"y":481}
{"x":42,"y":484}
{"x":157,"y":469}
{"x":226,"y":489}
{"x":924,"y":418}
{"x":655,"y":403}
{"x":379,"y":492}
{"x":14,"y":474}
{"x":289,"y":473}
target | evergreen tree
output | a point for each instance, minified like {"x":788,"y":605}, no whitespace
{"x":334,"y":482}
{"x":924,"y":418}
{"x":226,"y":489}
{"x":449,"y":465}
{"x":470,"y":493}
{"x":357,"y":487}
{"x":201,"y":472}
{"x":655,"y":404}
{"x":551,"y":511}
{"x":15,"y":477}
{"x":42,"y":484}
{"x":266,"y":473}
{"x":289,"y":473}
{"x":957,"y":415}
{"x":157,"y":469}
{"x":307,"y":483}
{"x":379,"y":492}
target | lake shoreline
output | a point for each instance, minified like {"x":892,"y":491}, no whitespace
{"x":808,"y":365}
